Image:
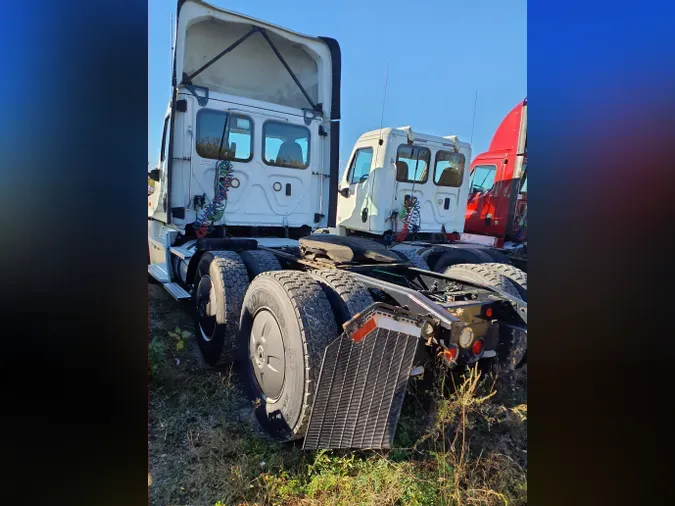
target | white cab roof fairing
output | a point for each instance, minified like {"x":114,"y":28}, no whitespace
{"x":450,"y":140}
{"x":252,"y":69}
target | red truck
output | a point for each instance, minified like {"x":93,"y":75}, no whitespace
{"x":496,"y":212}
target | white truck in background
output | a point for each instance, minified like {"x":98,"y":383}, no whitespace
{"x":409,"y":190}
{"x":391,"y":165}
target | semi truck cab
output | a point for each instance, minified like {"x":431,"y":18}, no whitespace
{"x":261,"y":98}
{"x":497,"y":204}
{"x":390,"y":167}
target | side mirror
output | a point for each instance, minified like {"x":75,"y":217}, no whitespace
{"x":344,"y":191}
{"x":154,"y":175}
{"x":363,"y":178}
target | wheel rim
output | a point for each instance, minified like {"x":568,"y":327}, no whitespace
{"x":266,"y":353}
{"x":206,"y":308}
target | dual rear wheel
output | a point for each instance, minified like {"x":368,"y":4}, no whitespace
{"x":277,"y":324}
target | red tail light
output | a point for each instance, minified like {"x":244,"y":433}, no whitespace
{"x":450,"y":354}
{"x":477,"y":347}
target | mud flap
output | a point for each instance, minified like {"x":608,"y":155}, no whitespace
{"x":362,"y":383}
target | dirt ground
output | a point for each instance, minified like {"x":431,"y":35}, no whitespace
{"x":206,"y":448}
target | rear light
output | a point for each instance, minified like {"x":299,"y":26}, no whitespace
{"x":488,"y":312}
{"x":477,"y":347}
{"x":466,"y":337}
{"x":450,"y":354}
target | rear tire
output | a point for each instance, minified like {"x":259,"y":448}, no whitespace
{"x":286,"y":323}
{"x":481,"y":273}
{"x":413,"y":258}
{"x":513,"y":273}
{"x":346,"y":295}
{"x":220,"y":284}
{"x":519,"y":279}
{"x":497,"y":256}
{"x":259,"y":261}
{"x":512,"y":347}
{"x":457,"y":256}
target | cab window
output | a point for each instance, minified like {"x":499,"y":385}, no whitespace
{"x":412,"y":164}
{"x":285,"y":145}
{"x":360,"y":167}
{"x":165,"y":141}
{"x":234,"y":131}
{"x":483,"y":178}
{"x":449,"y":168}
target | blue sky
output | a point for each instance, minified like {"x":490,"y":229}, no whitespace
{"x":438,"y":56}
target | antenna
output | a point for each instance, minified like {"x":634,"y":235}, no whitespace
{"x":474,"y":117}
{"x":384,"y":98}
{"x":379,"y":143}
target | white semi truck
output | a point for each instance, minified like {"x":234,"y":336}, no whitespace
{"x":326,"y":326}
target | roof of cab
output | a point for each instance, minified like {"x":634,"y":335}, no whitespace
{"x":401,"y":131}
{"x":250,"y":18}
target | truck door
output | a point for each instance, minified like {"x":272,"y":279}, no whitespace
{"x":480,"y":206}
{"x":353,"y":203}
{"x":157,"y":200}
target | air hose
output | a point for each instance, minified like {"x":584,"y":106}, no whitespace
{"x":411,"y":218}
{"x":214,"y":210}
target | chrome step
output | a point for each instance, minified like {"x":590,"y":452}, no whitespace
{"x":159,"y":272}
{"x":181,"y":252}
{"x":176,"y":291}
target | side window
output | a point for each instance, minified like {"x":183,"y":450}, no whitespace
{"x":483,"y":178}
{"x":165,"y":140}
{"x":412,"y":164}
{"x":285,"y":145}
{"x":449,"y":168}
{"x":237,"y":142}
{"x":360,"y":167}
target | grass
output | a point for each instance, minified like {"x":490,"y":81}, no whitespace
{"x":464,"y":441}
